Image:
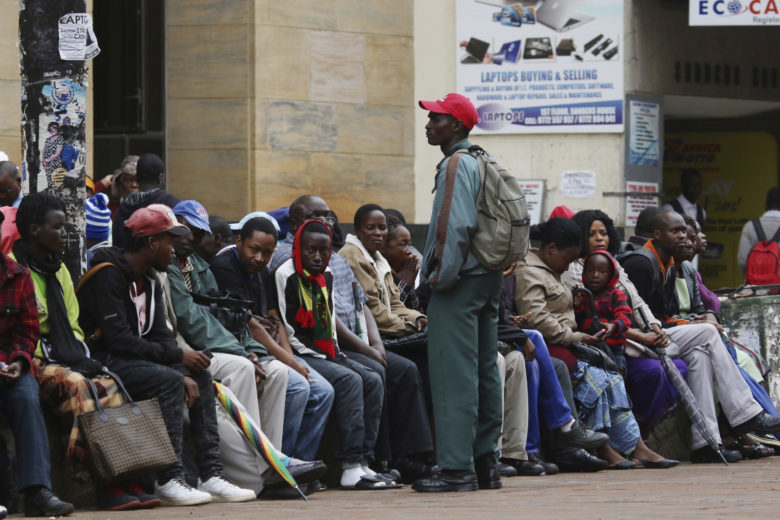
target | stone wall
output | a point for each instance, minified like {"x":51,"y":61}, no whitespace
{"x":333,"y":87}
{"x":270,"y":100}
{"x":209,"y":63}
{"x":10,"y":101}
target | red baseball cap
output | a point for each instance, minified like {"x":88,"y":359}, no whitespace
{"x":459,"y":107}
{"x":153,"y":220}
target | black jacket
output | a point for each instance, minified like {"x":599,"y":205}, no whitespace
{"x":132,"y":202}
{"x":106,"y":304}
{"x":654,"y":286}
{"x":232,"y":276}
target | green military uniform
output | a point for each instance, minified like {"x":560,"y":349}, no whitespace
{"x":462,"y":327}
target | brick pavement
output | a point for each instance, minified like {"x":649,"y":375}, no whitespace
{"x":749,"y":489}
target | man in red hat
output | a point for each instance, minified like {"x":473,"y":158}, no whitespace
{"x":123,"y":314}
{"x":462,"y":315}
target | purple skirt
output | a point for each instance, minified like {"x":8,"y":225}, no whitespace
{"x":651,"y":393}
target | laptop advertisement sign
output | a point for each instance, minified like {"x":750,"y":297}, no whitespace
{"x":734,"y":12}
{"x":549,"y":66}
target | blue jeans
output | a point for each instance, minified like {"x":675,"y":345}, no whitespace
{"x":306,"y":409}
{"x":20,"y":402}
{"x":544,"y":393}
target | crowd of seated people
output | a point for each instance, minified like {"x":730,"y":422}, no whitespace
{"x":339,"y":333}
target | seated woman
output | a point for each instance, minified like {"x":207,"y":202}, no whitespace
{"x":540,"y":291}
{"x":651,"y":392}
{"x":550,"y":398}
{"x":404,"y":265}
{"x":405,"y":419}
{"x":362,"y":251}
{"x":62,"y":359}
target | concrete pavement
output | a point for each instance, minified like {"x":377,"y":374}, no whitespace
{"x":748,"y":489}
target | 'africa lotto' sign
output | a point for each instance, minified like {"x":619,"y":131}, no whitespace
{"x":734,"y":12}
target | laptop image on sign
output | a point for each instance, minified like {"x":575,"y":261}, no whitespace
{"x":511,"y":51}
{"x":475,"y":51}
{"x":560,"y":15}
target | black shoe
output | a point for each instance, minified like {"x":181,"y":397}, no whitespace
{"x":448,"y":480}
{"x":42,"y":502}
{"x":705,"y":454}
{"x":524,"y":468}
{"x":486,"y":468}
{"x":506,"y":470}
{"x":411,"y":470}
{"x":302,"y":471}
{"x":761,"y":423}
{"x":581,"y":437}
{"x":9,"y":495}
{"x":288,"y":493}
{"x":576,"y":460}
{"x":549,"y":467}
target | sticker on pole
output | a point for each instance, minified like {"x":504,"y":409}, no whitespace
{"x":77,"y":39}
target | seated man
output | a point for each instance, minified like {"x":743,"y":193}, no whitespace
{"x":19,"y":390}
{"x":123,"y":313}
{"x":243,"y":463}
{"x":651,"y":270}
{"x":189,"y":274}
{"x":62,"y":364}
{"x":150,"y":175}
{"x":405,"y":435}
{"x":242,"y":270}
{"x":304,"y":287}
{"x":221,"y":237}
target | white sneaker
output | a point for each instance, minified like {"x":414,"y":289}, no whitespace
{"x":223,"y":491}
{"x":176,"y":492}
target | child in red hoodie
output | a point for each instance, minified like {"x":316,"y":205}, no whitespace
{"x":604,"y":306}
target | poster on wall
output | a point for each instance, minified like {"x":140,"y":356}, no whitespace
{"x":724,"y":160}
{"x":635,"y":202}
{"x":534,"y":197}
{"x":645,"y":133}
{"x":546,"y":66}
{"x":61,"y":130}
{"x":734,"y":12}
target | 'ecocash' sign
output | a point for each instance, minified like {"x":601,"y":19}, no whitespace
{"x":734,"y":12}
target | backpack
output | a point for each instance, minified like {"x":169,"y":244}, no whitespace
{"x":503,"y":226}
{"x":763,"y":262}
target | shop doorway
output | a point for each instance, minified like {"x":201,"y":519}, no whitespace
{"x":733,"y":144}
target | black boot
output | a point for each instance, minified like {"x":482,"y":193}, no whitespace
{"x":42,"y":502}
{"x":487,"y":472}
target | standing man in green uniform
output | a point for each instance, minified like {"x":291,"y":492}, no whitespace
{"x":462,"y":315}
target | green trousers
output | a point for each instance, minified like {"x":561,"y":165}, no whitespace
{"x":465,"y":383}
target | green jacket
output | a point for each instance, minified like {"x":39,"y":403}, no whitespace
{"x":71,"y":303}
{"x":457,"y":259}
{"x":196,"y":324}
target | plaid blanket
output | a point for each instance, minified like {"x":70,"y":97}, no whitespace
{"x":67,"y":394}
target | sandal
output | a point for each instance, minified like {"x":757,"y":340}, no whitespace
{"x":750,"y":448}
{"x":371,"y":482}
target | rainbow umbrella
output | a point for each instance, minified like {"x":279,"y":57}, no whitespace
{"x":256,"y":438}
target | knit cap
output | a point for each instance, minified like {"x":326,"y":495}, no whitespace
{"x":98,"y":217}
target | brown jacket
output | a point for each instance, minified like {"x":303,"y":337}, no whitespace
{"x":539,"y":290}
{"x":392,"y":317}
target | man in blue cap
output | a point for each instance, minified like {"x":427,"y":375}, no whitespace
{"x":264,"y":392}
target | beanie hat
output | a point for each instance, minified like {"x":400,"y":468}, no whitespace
{"x":98,"y":217}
